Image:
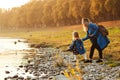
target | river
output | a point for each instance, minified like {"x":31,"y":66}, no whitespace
{"x":11,"y":54}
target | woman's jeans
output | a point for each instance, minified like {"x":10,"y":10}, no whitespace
{"x":95,"y":45}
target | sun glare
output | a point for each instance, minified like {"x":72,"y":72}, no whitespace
{"x":12,"y":3}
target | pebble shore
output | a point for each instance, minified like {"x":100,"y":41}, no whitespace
{"x":42,"y":67}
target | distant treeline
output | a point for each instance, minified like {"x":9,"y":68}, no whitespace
{"x":44,"y":13}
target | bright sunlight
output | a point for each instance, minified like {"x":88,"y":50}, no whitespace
{"x":12,"y":3}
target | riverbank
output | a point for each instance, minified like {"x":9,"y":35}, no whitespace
{"x":53,"y":64}
{"x":50,"y":64}
{"x":62,"y":37}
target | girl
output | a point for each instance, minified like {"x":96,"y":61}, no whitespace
{"x":77,"y":47}
{"x":97,"y":39}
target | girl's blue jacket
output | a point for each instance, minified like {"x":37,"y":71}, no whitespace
{"x":93,"y":29}
{"x":78,"y":43}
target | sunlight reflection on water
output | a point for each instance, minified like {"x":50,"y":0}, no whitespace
{"x":8,"y":59}
{"x":7,"y":44}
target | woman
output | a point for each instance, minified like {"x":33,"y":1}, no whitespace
{"x":98,"y":41}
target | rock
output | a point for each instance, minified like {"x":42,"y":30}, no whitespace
{"x":51,"y":78}
{"x":7,"y":78}
{"x":35,"y":74}
{"x":93,"y":70}
{"x":19,"y":41}
{"x":61,"y":77}
{"x":21,"y":66}
{"x":15,"y":42}
{"x":29,"y":61}
{"x":20,"y":78}
{"x":28,"y":77}
{"x":15,"y":76}
{"x":91,"y":75}
{"x":7,"y":72}
{"x":43,"y":75}
{"x":26,"y":70}
{"x":62,"y":72}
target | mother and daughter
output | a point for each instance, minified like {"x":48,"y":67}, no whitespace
{"x":98,"y":41}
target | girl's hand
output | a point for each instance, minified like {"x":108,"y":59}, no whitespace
{"x":80,"y":47}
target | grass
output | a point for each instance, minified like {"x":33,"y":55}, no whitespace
{"x":73,"y":73}
{"x":113,"y":63}
{"x":59,"y":61}
{"x":62,"y":37}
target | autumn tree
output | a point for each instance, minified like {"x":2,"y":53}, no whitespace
{"x":49,"y":13}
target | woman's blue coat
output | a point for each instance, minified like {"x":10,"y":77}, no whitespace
{"x":93,"y":29}
{"x":78,"y":43}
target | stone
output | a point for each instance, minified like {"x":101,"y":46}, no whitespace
{"x":28,"y":77}
{"x":20,"y":78}
{"x":61,"y":77}
{"x":15,"y":76}
{"x":51,"y":78}
{"x":7,"y":72}
{"x":21,"y":66}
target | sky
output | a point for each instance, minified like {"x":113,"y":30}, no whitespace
{"x":12,"y":3}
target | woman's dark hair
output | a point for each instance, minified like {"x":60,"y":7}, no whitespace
{"x":85,"y":20}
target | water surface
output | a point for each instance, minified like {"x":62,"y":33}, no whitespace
{"x":11,"y":54}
